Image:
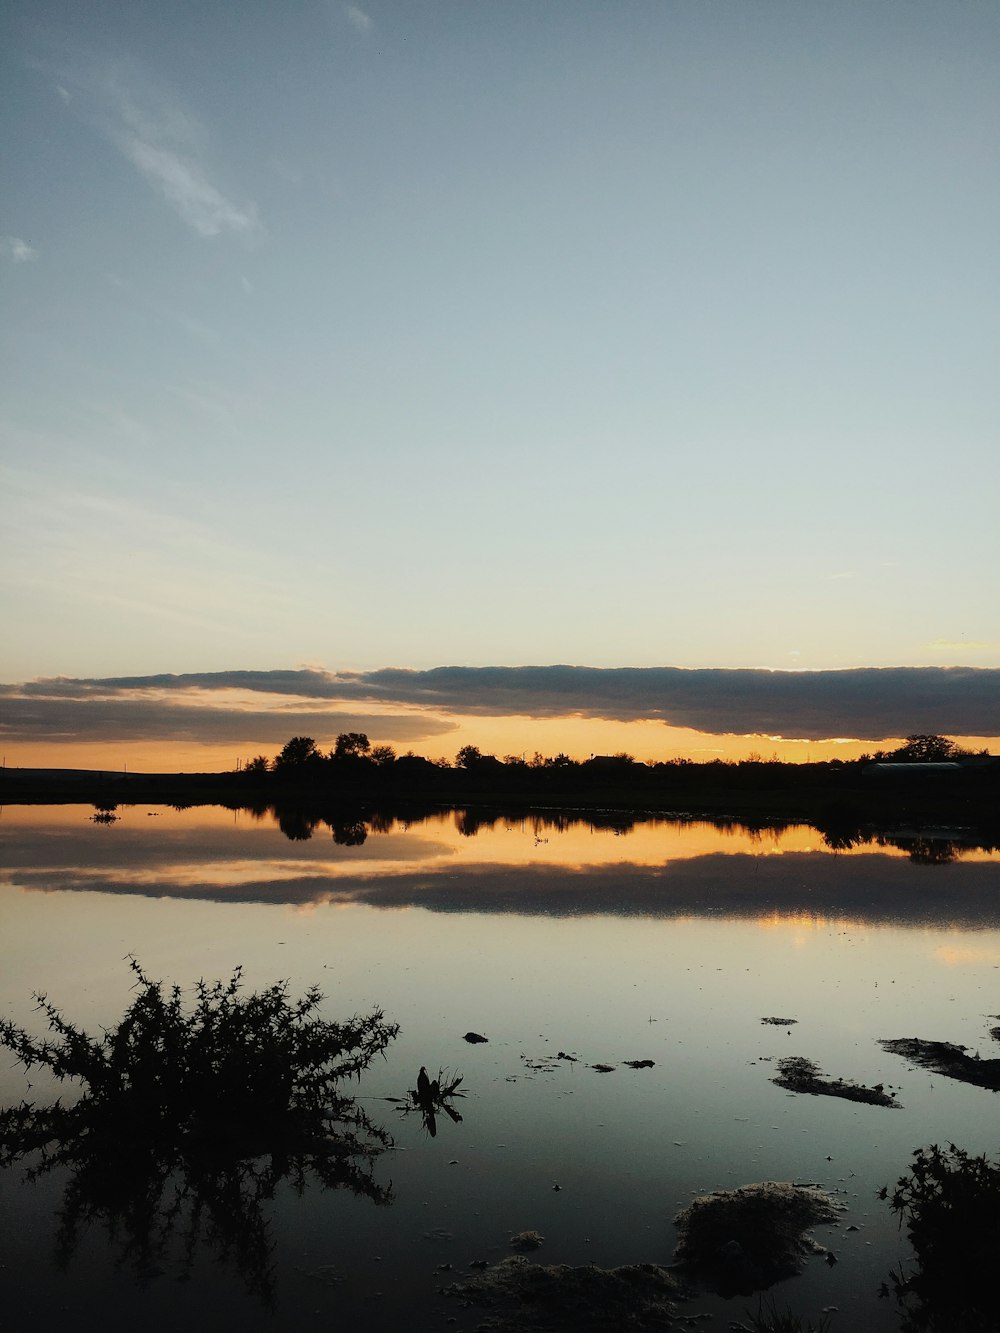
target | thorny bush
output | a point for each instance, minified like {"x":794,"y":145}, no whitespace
{"x":190,"y":1116}
{"x":243,"y":1059}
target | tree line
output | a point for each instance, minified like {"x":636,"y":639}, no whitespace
{"x":353,"y":750}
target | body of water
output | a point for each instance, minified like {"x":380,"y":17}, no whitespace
{"x":660,"y":940}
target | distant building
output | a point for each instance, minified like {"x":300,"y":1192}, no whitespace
{"x":903,"y":770}
{"x":900,"y":769}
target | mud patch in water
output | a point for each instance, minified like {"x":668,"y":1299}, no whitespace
{"x":798,"y":1074}
{"x":523,"y":1297}
{"x":945,"y":1058}
{"x":743,"y":1240}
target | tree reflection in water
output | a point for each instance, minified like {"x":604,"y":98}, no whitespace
{"x":841,"y":827}
{"x":162,"y":1206}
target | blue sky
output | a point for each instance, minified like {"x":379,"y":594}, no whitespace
{"x":449,"y":333}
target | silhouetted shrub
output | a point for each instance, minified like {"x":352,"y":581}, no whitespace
{"x":189,"y":1117}
{"x":950,"y":1203}
{"x":164,"y":1070}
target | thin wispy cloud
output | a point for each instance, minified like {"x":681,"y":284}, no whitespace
{"x":357,"y":18}
{"x":964,"y":645}
{"x":164,"y":141}
{"x":184,"y":184}
{"x":16,"y":250}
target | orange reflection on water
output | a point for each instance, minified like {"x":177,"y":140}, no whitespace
{"x":785,"y":881}
{"x":812,"y":922}
{"x":955,"y":955}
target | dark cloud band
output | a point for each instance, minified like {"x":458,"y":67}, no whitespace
{"x":866,"y":703}
{"x":122,"y":718}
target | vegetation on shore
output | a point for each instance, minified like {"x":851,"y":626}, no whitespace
{"x":354,"y":753}
{"x":949,"y":1203}
{"x":837,"y":796}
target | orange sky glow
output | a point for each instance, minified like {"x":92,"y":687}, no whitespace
{"x":579,"y":737}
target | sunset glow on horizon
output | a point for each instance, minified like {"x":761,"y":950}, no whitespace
{"x":648,"y":743}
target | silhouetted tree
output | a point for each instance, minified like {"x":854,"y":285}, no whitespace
{"x":383,"y":755}
{"x":297,"y":752}
{"x":351,"y":743}
{"x":559,"y":760}
{"x":259,"y":764}
{"x":928,"y":750}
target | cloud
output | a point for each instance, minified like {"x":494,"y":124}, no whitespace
{"x":964,"y":645}
{"x":871,"y":703}
{"x":866,"y":703}
{"x":163,"y":141}
{"x":38,"y":716}
{"x":357,"y":18}
{"x":183,"y":184}
{"x":16,"y":250}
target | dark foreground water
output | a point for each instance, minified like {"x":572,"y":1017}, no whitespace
{"x":669,"y":942}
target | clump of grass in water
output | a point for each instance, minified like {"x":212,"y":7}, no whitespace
{"x":774,"y":1321}
{"x":950,"y":1203}
{"x":433,"y":1095}
{"x":180,"y":1105}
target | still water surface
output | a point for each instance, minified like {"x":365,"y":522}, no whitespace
{"x":666,"y":941}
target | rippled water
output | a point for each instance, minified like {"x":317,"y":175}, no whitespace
{"x":665,"y":941}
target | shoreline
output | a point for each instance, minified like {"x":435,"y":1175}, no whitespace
{"x":837,"y":802}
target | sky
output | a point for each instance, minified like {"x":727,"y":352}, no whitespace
{"x":429,"y":336}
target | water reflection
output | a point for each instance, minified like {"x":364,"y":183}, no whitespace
{"x":924,"y":847}
{"x":161,"y":1209}
{"x":553,"y":863}
{"x":665,"y":940}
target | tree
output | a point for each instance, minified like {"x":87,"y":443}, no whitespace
{"x":298,"y":752}
{"x":383,"y":755}
{"x":259,"y":764}
{"x":928,"y":750}
{"x":559,"y":760}
{"x":472,"y":759}
{"x":353,"y":743}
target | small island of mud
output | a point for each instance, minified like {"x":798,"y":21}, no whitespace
{"x":798,"y":1074}
{"x":744,"y":1240}
{"x":523,"y":1297}
{"x":942,"y":1057}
